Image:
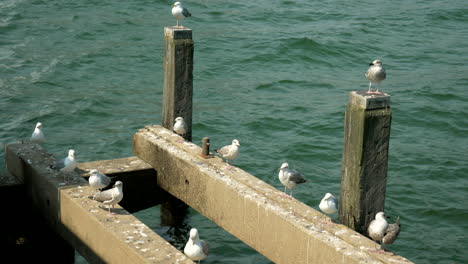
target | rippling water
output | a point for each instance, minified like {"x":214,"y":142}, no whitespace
{"x":274,"y":74}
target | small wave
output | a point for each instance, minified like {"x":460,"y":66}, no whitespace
{"x":279,"y":85}
{"x":460,"y":15}
{"x":36,"y":75}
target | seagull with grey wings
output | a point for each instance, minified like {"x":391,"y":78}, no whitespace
{"x":98,"y":180}
{"x":375,"y":74}
{"x":378,"y":227}
{"x":289,"y":178}
{"x":229,"y":152}
{"x":67,"y":164}
{"x":180,"y":12}
{"x":180,"y":127}
{"x":38,"y":136}
{"x":382,"y":232}
{"x":329,"y":204}
{"x":110,"y":197}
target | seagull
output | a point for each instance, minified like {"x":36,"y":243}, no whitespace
{"x":180,"y":127}
{"x":98,"y":180}
{"x":392,"y":232}
{"x":378,"y":227}
{"x":180,"y":12}
{"x":195,"y":248}
{"x":289,"y":177}
{"x":329,"y":204}
{"x":375,"y":73}
{"x":38,"y":136}
{"x":229,"y":152}
{"x":67,"y":164}
{"x":110,"y":197}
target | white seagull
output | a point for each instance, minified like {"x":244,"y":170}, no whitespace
{"x":195,"y":248}
{"x":98,"y":180}
{"x":67,"y":164}
{"x":38,"y":136}
{"x":180,"y":12}
{"x":289,"y":177}
{"x":378,"y":227}
{"x":375,"y":73}
{"x":110,"y":197}
{"x":329,"y":204}
{"x":180,"y":127}
{"x":229,"y":152}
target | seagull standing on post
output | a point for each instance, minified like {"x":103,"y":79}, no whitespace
{"x":289,"y":177}
{"x":375,"y":73}
{"x":38,"y":136}
{"x":180,"y":12}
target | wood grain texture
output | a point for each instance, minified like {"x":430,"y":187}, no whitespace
{"x":364,"y":164}
{"x":178,"y":78}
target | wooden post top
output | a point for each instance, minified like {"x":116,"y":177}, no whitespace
{"x":175,"y":32}
{"x":369,"y":101}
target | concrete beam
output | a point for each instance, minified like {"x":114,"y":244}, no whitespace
{"x":82,"y":222}
{"x":284,"y":230}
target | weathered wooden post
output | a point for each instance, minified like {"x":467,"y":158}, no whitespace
{"x":365,"y":155}
{"x":177,"y":101}
{"x":178,"y":77}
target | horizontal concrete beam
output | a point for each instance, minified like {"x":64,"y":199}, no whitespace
{"x":284,"y":230}
{"x":85,"y":223}
{"x":141,"y":188}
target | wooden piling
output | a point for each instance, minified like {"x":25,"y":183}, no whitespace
{"x":178,"y":78}
{"x":365,"y":155}
{"x":177,"y":101}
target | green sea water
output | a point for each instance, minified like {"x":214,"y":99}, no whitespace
{"x":274,"y":74}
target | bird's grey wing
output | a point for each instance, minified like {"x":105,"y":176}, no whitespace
{"x":392,"y":232}
{"x":333,"y":199}
{"x":204,"y":247}
{"x":224,"y":150}
{"x":60,"y":164}
{"x":296,"y":177}
{"x":104,"y":179}
{"x":104,"y":196}
{"x":185,"y":12}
